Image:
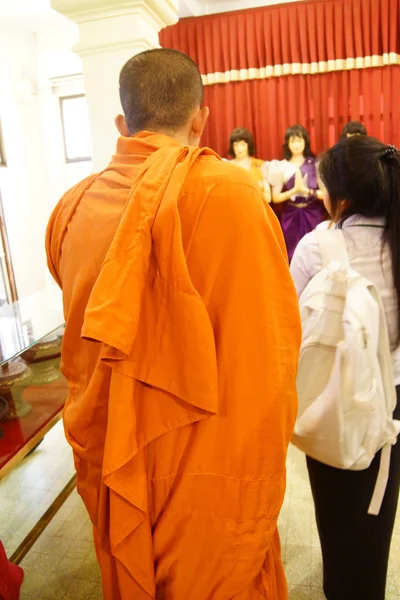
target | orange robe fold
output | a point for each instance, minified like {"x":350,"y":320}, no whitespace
{"x":181,"y":347}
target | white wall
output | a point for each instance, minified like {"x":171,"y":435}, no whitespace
{"x":60,"y":175}
{"x":21,"y":182}
{"x":55,"y":55}
{"x":36,"y":175}
{"x":60,"y":74}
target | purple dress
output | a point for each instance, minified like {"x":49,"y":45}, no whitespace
{"x":301,"y":214}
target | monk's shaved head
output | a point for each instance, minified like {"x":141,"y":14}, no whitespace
{"x":159,"y":90}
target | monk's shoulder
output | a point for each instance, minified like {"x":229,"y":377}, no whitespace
{"x":217,"y":189}
{"x":76,"y":190}
{"x":209,"y":173}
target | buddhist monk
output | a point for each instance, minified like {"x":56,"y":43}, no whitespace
{"x":180,"y":350}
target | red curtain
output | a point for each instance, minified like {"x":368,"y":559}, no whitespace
{"x":299,"y":32}
{"x":322,"y":103}
{"x":303,"y":35}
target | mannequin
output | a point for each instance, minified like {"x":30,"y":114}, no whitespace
{"x":295,"y":186}
{"x":353,"y":128}
{"x":242,"y":148}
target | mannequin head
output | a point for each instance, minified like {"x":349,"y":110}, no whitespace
{"x":353,"y":128}
{"x":241,"y":144}
{"x":161,"y":91}
{"x":297,"y":143}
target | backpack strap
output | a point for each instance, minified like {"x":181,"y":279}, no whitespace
{"x":332,"y":246}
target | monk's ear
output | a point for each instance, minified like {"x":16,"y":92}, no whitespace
{"x":122,"y":126}
{"x":198,"y":125}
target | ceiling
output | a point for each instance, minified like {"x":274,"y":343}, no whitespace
{"x":38,"y":16}
{"x":195,"y":8}
{"x":30,"y":16}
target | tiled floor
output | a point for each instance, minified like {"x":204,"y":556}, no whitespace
{"x":62,"y":563}
{"x":301,"y":549}
{"x":30,"y":489}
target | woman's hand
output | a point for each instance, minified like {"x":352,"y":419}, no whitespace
{"x":298,"y":181}
{"x":300,"y":184}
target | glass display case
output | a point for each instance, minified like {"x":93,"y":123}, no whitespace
{"x":32,"y":388}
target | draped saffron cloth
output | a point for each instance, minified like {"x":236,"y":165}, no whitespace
{"x":180,"y":350}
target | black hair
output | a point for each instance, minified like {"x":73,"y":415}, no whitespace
{"x":159,"y":89}
{"x":301,"y":132}
{"x":365,"y":173}
{"x":241,"y":135}
{"x":353,"y":128}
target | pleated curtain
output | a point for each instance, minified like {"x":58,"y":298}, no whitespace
{"x":318,"y":63}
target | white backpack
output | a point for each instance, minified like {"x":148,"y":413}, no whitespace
{"x":345,"y":380}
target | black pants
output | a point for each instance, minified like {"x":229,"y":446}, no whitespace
{"x":355,"y":545}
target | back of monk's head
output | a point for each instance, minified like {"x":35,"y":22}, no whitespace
{"x":159,"y":90}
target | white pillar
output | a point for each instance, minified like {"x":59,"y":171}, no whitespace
{"x":110,"y":33}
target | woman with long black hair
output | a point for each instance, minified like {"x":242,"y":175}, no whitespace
{"x":361,"y":177}
{"x":295,"y":187}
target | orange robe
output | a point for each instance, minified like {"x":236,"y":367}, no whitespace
{"x":180,"y":349}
